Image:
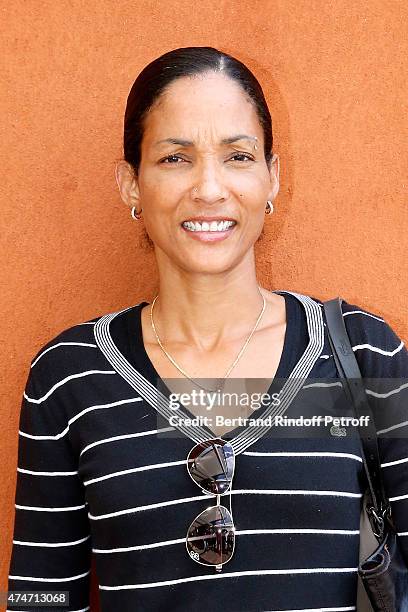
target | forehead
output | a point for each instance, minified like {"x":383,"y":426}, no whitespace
{"x":205,"y":103}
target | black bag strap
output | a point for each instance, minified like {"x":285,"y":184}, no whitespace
{"x":349,"y":371}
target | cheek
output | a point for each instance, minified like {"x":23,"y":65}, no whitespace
{"x":254,"y":217}
{"x":253,"y":190}
{"x":253,"y":207}
{"x":158,"y":203}
{"x":158,"y":212}
{"x":161,"y":190}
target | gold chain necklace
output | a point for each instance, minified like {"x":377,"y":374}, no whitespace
{"x":230,"y":368}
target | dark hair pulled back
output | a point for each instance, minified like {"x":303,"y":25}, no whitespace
{"x":186,"y":61}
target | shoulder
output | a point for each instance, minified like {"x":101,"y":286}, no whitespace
{"x":76,"y":335}
{"x":70,"y":353}
{"x":362,"y":324}
{"x":66,"y":371}
{"x":55,"y":366}
{"x":80,"y":334}
{"x":376,"y":344}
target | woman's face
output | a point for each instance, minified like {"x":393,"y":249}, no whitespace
{"x":202,"y":156}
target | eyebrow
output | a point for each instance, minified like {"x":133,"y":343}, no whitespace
{"x":189,"y":143}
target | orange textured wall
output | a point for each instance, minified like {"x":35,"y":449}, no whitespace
{"x":334,"y":74}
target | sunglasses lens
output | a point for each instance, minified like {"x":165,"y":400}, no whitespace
{"x":210,"y":538}
{"x":211,"y":465}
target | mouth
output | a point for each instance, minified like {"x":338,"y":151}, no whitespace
{"x":210,"y":230}
{"x":210,"y":225}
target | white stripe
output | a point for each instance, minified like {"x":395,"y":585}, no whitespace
{"x":77,"y":416}
{"x":41,"y":509}
{"x":51,"y":544}
{"x":402,"y":533}
{"x":399,"y":497}
{"x":129,"y":400}
{"x":367,"y":314}
{"x":87,"y":323}
{"x":321,"y":384}
{"x":149,"y":507}
{"x":142,"y":468}
{"x":312,"y":531}
{"x":237,"y":533}
{"x":392,"y":392}
{"x":294,"y":492}
{"x":62,"y":344}
{"x":140,"y":547}
{"x":151,"y":432}
{"x":314,"y":570}
{"x":325,"y":356}
{"x":376,"y":349}
{"x":397,"y":462}
{"x":46,"y":473}
{"x":397,"y":426}
{"x":235,"y":492}
{"x":36,"y":437}
{"x":301,"y":454}
{"x":62,"y":382}
{"x":34,"y":579}
{"x":317,"y":610}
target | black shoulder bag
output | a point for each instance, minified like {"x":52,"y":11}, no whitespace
{"x":384,"y":573}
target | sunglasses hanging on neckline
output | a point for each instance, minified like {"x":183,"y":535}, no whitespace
{"x":210,"y":538}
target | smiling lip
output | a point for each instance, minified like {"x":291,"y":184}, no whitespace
{"x":210,"y":236}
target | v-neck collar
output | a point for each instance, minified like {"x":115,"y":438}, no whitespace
{"x":153,"y":389}
{"x":141,"y":360}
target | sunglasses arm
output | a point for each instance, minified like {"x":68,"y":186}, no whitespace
{"x":218,"y":568}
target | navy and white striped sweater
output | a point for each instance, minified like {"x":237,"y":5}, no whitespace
{"x":97,"y":475}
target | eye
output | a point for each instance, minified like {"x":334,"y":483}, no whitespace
{"x":241,"y":155}
{"x":171,"y":157}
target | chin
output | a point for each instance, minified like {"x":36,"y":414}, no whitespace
{"x":210,"y":265}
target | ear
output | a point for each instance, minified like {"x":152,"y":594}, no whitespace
{"x":274,"y":169}
{"x":127,"y":182}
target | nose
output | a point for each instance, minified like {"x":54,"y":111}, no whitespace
{"x":209,"y":182}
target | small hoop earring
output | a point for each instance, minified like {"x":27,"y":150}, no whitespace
{"x":269,"y":208}
{"x":136,"y":215}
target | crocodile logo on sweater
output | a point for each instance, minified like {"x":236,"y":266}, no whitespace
{"x":338,"y":431}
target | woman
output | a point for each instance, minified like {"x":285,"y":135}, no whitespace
{"x":104,"y":441}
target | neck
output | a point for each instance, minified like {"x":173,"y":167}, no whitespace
{"x":206,"y":310}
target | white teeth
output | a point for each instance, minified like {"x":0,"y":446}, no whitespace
{"x":214,"y":226}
